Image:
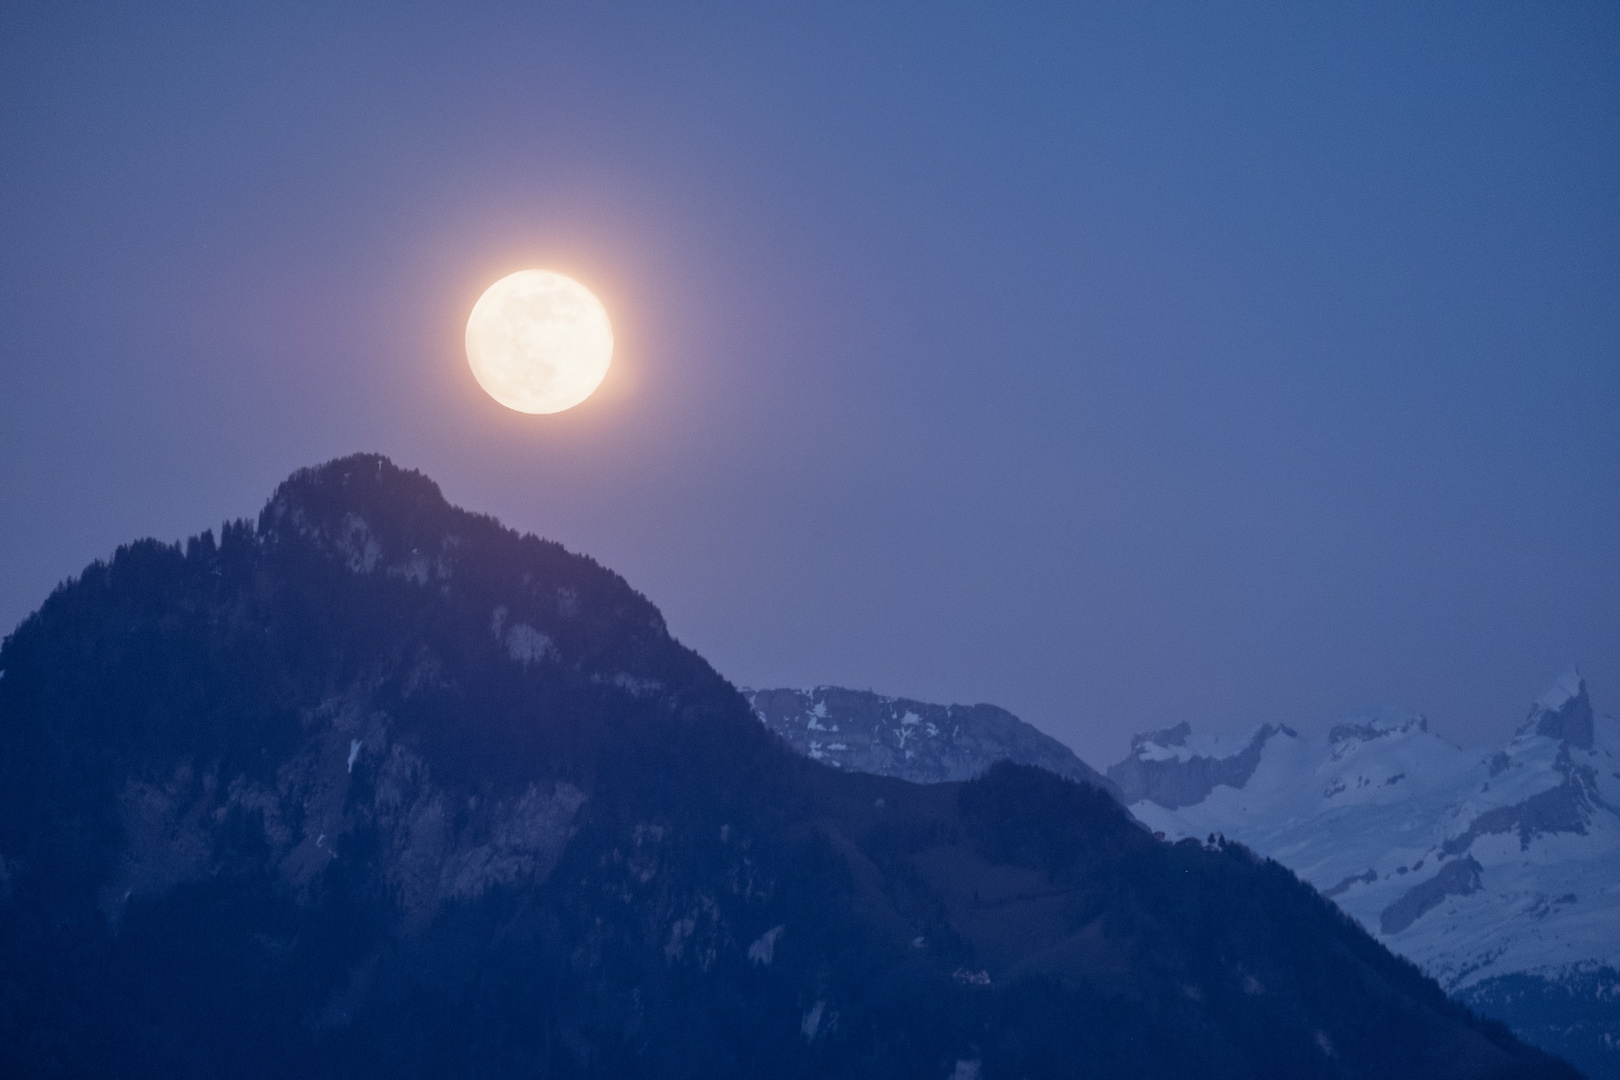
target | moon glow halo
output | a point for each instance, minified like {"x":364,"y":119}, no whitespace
{"x":539,"y":342}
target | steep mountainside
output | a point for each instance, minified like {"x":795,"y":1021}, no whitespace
{"x":378,"y":788}
{"x":913,"y":740}
{"x":1497,"y":872}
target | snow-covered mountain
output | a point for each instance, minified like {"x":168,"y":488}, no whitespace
{"x":913,"y":740}
{"x":1498,"y":872}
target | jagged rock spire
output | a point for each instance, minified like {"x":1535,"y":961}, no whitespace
{"x":1563,"y":711}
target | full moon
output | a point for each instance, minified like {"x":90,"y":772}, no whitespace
{"x":539,"y":342}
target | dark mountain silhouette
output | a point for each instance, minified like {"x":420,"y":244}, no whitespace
{"x":377,"y":788}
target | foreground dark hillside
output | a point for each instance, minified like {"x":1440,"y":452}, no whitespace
{"x":377,"y":788}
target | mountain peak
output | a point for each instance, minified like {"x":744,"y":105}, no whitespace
{"x":913,"y":740}
{"x":356,"y":476}
{"x":1168,"y":737}
{"x":1563,"y":711}
{"x":1376,"y":723}
{"x":363,"y":507}
{"x":1174,"y":767}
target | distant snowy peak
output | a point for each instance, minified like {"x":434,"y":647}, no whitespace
{"x":1174,"y":768}
{"x":1563,"y":712}
{"x":1378,"y":724}
{"x":1497,"y":871}
{"x":913,"y":740}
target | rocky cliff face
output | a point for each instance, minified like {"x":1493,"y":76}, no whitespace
{"x":1159,"y":772}
{"x":377,"y":788}
{"x":1496,"y":871}
{"x":1564,"y":713}
{"x":912,"y":740}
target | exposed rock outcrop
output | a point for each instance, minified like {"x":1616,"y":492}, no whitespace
{"x":1162,"y":770}
{"x":912,"y":740}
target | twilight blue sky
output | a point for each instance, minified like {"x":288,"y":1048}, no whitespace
{"x":1119,"y":364}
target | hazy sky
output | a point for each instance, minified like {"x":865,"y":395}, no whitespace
{"x":1120,"y":364}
